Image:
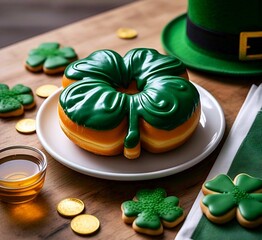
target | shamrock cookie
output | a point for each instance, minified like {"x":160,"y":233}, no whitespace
{"x":14,"y":101}
{"x":50,"y":58}
{"x":226,"y":199}
{"x":150,"y":210}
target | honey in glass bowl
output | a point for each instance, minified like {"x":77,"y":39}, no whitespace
{"x":22,"y":173}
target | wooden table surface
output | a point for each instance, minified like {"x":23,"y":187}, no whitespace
{"x":39,"y":219}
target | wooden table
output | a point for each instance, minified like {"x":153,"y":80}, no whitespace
{"x":39,"y":219}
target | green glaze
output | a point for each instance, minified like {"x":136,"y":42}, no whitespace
{"x":164,"y":100}
{"x":152,"y":206}
{"x":221,"y":183}
{"x":248,"y":183}
{"x":239,"y":195}
{"x":15,"y":98}
{"x":50,"y":56}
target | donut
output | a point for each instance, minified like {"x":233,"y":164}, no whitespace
{"x":112,"y":105}
{"x":226,"y":199}
{"x":50,"y":58}
{"x":151,"y":210}
{"x":14,"y":101}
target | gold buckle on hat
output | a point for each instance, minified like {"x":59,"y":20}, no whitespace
{"x":243,"y":46}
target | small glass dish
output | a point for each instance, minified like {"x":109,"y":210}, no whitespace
{"x":22,"y":173}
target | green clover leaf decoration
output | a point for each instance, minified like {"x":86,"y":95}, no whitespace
{"x":152,"y":209}
{"x":243,"y":196}
{"x":19,"y":97}
{"x":163,"y":100}
{"x":49,"y":56}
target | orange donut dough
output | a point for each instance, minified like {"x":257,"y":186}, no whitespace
{"x":157,"y":140}
{"x":111,"y":142}
{"x":107,"y":143}
{"x":155,"y":108}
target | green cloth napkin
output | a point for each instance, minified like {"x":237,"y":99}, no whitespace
{"x":241,"y":153}
{"x":247,"y":160}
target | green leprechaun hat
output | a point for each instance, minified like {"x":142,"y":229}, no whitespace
{"x":218,"y":36}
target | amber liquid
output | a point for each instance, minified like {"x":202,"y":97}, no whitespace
{"x":20,"y":178}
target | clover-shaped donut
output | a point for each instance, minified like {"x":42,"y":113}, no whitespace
{"x":150,"y":210}
{"x":14,"y":101}
{"x":50,"y":58}
{"x":113,"y":104}
{"x":225,"y":200}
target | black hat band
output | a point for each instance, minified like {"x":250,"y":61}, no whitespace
{"x":243,"y":46}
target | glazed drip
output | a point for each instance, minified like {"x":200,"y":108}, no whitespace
{"x":133,"y":134}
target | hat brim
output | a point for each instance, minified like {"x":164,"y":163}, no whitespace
{"x":175,"y":42}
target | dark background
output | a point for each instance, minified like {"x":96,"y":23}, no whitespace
{"x":22,"y":19}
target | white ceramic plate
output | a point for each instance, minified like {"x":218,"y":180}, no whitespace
{"x":149,"y":166}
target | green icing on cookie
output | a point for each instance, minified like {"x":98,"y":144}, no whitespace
{"x":229,"y":195}
{"x":222,"y":183}
{"x":164,"y":99}
{"x":50,"y":56}
{"x":15,"y":98}
{"x":151,"y":207}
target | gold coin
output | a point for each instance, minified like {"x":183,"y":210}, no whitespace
{"x":85,"y":224}
{"x":70,"y":207}
{"x":46,"y":90}
{"x":126,"y":33}
{"x":26,"y":125}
